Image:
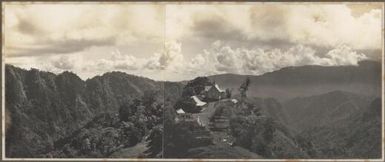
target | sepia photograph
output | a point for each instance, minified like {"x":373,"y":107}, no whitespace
{"x":185,"y":81}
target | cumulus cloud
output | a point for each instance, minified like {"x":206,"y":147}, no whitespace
{"x":254,"y":38}
{"x":314,"y":25}
{"x":64,"y":63}
{"x":222,"y":58}
{"x":38,"y":29}
{"x":167,"y":60}
{"x":169,"y":63}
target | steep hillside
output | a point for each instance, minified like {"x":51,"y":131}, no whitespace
{"x":137,"y":124}
{"x":295,"y":112}
{"x":291,"y":82}
{"x":230,"y":128}
{"x":254,"y":127}
{"x":43,"y":107}
{"x":324,"y":109}
{"x":272,"y":108}
{"x":172,"y":91}
{"x":356,"y":136}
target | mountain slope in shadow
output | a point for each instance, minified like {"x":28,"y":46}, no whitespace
{"x":356,"y":136}
{"x":301,"y":81}
{"x":43,"y":107}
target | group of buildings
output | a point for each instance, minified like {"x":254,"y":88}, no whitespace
{"x":200,"y":101}
{"x":209,"y":94}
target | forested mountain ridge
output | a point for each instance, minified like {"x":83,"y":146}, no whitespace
{"x":324,"y":109}
{"x":358,"y":135}
{"x":46,"y":112}
{"x":43,"y":107}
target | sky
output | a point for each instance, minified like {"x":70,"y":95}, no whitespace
{"x":181,"y":41}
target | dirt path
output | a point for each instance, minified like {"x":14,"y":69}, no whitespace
{"x":206,"y":114}
{"x":220,"y":137}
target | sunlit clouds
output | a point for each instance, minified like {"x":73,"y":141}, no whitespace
{"x":179,"y":42}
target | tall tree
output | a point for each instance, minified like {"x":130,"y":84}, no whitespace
{"x":155,"y":142}
{"x":244,"y":87}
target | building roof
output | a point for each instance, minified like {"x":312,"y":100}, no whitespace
{"x":198,"y":101}
{"x":217,"y":87}
{"x":180,"y":111}
{"x":207,"y":88}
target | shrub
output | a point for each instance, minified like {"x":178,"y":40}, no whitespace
{"x":155,"y":141}
{"x":253,"y":133}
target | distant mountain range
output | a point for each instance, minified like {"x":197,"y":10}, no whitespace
{"x":291,"y":82}
{"x":42,"y":107}
{"x":336,"y":124}
{"x":324,"y":109}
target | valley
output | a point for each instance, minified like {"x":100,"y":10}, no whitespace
{"x":295,"y":112}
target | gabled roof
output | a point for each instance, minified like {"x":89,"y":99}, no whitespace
{"x":207,"y":88}
{"x":180,"y":111}
{"x":217,"y":87}
{"x":198,"y":101}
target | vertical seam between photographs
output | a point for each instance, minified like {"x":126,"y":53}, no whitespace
{"x":2,"y":84}
{"x":382,"y":83}
{"x":164,"y":87}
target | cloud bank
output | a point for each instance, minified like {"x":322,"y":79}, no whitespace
{"x":314,"y":25}
{"x":42,"y":29}
{"x":182,"y":41}
{"x":170,"y":64}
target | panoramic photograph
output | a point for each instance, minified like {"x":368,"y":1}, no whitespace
{"x":192,"y":80}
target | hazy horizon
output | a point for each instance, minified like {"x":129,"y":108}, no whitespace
{"x":84,"y":79}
